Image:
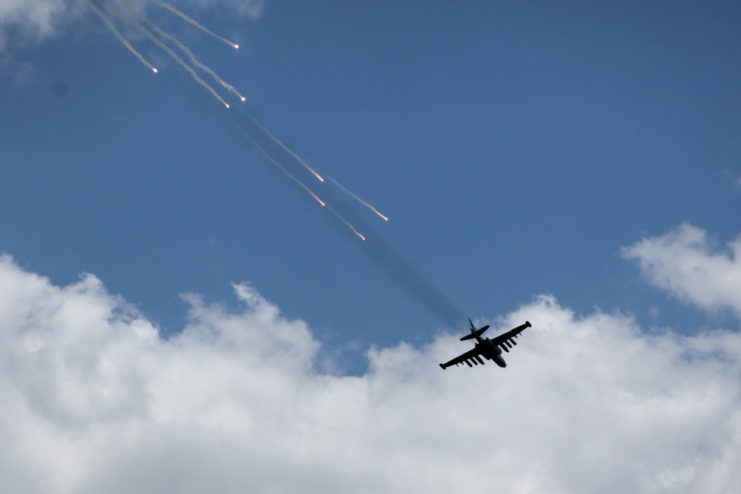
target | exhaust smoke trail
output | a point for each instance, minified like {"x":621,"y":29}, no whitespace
{"x":355,"y":196}
{"x":280,"y":167}
{"x":172,"y":39}
{"x":405,"y":275}
{"x":285,"y":148}
{"x":195,"y":23}
{"x":167,"y":49}
{"x":118,"y":35}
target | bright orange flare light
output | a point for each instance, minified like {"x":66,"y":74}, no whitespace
{"x":117,"y":34}
{"x":347,"y":223}
{"x":163,"y":34}
{"x":285,"y":148}
{"x":281,"y":167}
{"x":361,"y":201}
{"x":138,"y":25}
{"x":193,"y":22}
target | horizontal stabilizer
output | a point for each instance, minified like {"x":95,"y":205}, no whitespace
{"x":476,"y":333}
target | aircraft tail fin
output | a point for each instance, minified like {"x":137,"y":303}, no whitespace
{"x":475,"y":333}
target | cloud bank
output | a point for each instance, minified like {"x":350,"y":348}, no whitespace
{"x":685,"y":263}
{"x":95,"y":400}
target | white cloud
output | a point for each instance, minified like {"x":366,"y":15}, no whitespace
{"x":35,"y":15}
{"x":95,"y":400}
{"x":685,"y":263}
{"x":249,"y":8}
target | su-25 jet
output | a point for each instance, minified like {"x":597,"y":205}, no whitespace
{"x":489,"y":348}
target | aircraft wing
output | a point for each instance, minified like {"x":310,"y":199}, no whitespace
{"x":470,"y":356}
{"x":506,"y":340}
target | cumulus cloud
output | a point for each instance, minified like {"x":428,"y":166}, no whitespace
{"x":95,"y":400}
{"x":686,"y":264}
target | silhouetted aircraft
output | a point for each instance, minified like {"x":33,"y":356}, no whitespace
{"x":489,"y":348}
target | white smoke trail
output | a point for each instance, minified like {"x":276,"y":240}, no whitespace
{"x":167,"y":49}
{"x":118,"y":35}
{"x":195,"y":23}
{"x":357,"y":198}
{"x":193,"y":59}
{"x":281,"y":167}
{"x":285,"y":148}
{"x":347,"y":223}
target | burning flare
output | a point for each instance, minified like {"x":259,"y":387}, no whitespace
{"x":181,"y":46}
{"x":361,"y":201}
{"x":195,"y":23}
{"x":165,"y":48}
{"x":281,"y":167}
{"x":118,"y":35}
{"x":347,"y":223}
{"x":285,"y":148}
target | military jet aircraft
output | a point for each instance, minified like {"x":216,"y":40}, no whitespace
{"x":489,"y":348}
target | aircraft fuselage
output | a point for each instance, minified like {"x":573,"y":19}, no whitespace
{"x":490,"y":351}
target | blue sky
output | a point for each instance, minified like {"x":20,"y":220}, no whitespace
{"x":515,"y":146}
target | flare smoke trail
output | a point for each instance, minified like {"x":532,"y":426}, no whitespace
{"x":118,"y":35}
{"x":195,"y":23}
{"x":401,"y":271}
{"x":172,"y":39}
{"x":349,"y":225}
{"x":357,"y":198}
{"x":300,"y":183}
{"x":280,"y":167}
{"x":285,"y":148}
{"x":167,"y":49}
